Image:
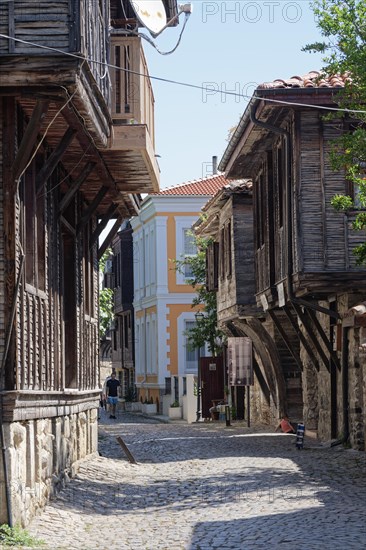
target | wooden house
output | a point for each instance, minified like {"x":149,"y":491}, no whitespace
{"x":122,"y":334}
{"x":76,"y":149}
{"x":228,"y":221}
{"x":306,"y":273}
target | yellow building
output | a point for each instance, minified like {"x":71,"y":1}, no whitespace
{"x":162,"y":296}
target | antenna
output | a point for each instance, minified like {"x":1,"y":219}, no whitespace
{"x":151,"y":14}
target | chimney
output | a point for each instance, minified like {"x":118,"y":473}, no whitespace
{"x":214,"y":166}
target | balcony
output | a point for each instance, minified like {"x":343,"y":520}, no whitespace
{"x":130,"y":155}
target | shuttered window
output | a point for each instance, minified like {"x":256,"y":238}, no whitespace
{"x":212,"y":266}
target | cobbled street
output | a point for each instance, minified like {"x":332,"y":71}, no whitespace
{"x":208,"y":486}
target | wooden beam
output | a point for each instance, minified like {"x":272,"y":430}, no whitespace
{"x":305,"y":319}
{"x":73,"y":121}
{"x":54,"y":158}
{"x":75,"y":186}
{"x":324,"y":337}
{"x":103,"y":223}
{"x":316,"y":307}
{"x":109,"y":237}
{"x":126,"y":450}
{"x":285,"y":338}
{"x":69,"y":227}
{"x":29,"y":137}
{"x":87,"y":214}
{"x":302,"y":338}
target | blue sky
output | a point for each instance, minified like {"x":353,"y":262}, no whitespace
{"x":234,"y":46}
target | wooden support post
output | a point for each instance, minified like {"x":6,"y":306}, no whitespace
{"x":75,"y":186}
{"x":87,"y":214}
{"x":103,"y":223}
{"x":285,"y":338}
{"x":325,"y":339}
{"x":302,"y":338}
{"x":126,"y":450}
{"x":109,"y":237}
{"x":306,"y":321}
{"x":54,"y":158}
{"x":29,"y":137}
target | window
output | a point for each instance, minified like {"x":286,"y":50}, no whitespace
{"x":34,"y":230}
{"x":212,"y":266}
{"x":260,"y":210}
{"x":191,"y":355}
{"x":190,"y":249}
{"x":168,"y":386}
{"x":280,"y":179}
{"x":225,"y":251}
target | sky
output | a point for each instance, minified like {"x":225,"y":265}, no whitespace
{"x":226,"y":45}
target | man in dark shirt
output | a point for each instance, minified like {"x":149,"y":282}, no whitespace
{"x":112,"y":388}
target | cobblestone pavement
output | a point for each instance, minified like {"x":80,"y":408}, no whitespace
{"x":208,"y":486}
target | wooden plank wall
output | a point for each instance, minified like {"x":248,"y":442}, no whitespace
{"x":334,"y":182}
{"x":41,"y":22}
{"x":2,"y":259}
{"x":311,"y":226}
{"x":326,"y":236}
{"x":243,"y":235}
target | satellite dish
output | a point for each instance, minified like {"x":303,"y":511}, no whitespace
{"x":151,"y":14}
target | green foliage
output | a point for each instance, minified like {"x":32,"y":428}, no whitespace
{"x":343,"y":25}
{"x":175,"y":404}
{"x":16,"y":536}
{"x":130,"y":395}
{"x":106,"y":303}
{"x":205,"y":329}
{"x":342,"y":202}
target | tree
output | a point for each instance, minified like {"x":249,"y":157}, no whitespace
{"x":343,"y":24}
{"x":205,"y":329}
{"x":106,"y":313}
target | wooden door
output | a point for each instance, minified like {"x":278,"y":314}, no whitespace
{"x":212,"y":382}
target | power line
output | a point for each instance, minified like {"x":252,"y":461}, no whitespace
{"x":179,"y":83}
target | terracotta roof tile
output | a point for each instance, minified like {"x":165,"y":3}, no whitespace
{"x":204,"y":186}
{"x":314,"y":79}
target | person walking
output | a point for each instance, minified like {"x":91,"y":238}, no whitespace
{"x":112,"y":391}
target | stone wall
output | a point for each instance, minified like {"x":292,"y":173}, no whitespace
{"x":317,"y":384}
{"x":42,"y":455}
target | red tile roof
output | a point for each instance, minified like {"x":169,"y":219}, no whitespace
{"x":314,"y":79}
{"x":204,"y":186}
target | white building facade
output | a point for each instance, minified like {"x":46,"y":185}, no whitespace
{"x":162,"y":297}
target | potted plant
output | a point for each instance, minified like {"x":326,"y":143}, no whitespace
{"x":175,"y":410}
{"x":149,"y":407}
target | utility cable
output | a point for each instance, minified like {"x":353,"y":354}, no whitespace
{"x":186,"y":84}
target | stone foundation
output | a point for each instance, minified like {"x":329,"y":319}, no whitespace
{"x":42,"y":455}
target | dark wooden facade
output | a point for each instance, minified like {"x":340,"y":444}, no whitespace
{"x":69,"y":162}
{"x":123,"y":345}
{"x":231,"y":272}
{"x":306,"y":273}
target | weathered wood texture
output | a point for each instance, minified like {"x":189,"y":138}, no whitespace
{"x":238,"y":289}
{"x":77,"y":26}
{"x":55,"y":339}
{"x":322,"y":239}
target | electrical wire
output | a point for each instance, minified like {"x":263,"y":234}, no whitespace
{"x":68,"y":174}
{"x":186,"y":84}
{"x":152,"y":43}
{"x":45,"y":133}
